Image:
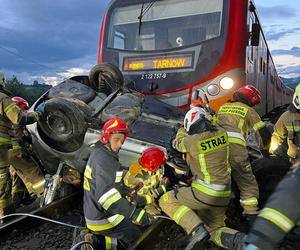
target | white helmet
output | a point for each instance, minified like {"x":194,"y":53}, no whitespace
{"x":296,"y":97}
{"x":194,"y":115}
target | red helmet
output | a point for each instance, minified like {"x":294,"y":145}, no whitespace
{"x":153,"y":158}
{"x":20,"y":102}
{"x":113,"y":125}
{"x":252,"y":94}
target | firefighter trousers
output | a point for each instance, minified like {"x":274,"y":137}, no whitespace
{"x":243,"y":176}
{"x":26,"y":170}
{"x":189,"y":212}
{"x":126,"y":231}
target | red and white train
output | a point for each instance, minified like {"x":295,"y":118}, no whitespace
{"x":170,"y":48}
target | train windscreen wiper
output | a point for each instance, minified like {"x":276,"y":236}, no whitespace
{"x":143,"y":12}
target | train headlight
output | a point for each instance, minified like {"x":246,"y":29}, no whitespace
{"x":226,"y":83}
{"x":213,"y":89}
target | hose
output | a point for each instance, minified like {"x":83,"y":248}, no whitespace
{"x":75,"y":247}
{"x":43,"y":218}
{"x":161,"y":216}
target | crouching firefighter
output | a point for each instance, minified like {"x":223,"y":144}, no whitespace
{"x":10,"y":114}
{"x":146,"y":175}
{"x":109,"y":216}
{"x":288,"y":128}
{"x":280,"y":214}
{"x":200,"y":208}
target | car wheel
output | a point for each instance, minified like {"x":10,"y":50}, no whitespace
{"x":106,"y":78}
{"x":62,"y":125}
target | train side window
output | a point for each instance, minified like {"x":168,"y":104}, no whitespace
{"x":264,"y":67}
{"x":261,"y":64}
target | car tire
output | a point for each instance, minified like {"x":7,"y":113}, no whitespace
{"x":62,"y":126}
{"x":106,"y":78}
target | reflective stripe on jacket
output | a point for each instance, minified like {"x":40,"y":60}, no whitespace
{"x":207,"y":154}
{"x":102,"y":200}
{"x":237,"y":119}
{"x":11,"y":114}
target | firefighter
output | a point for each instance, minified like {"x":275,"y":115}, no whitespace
{"x":23,"y":168}
{"x":288,"y":128}
{"x":147,"y":175}
{"x":10,"y":114}
{"x":238,"y":117}
{"x":108,"y":214}
{"x":280,"y":214}
{"x":200,"y":208}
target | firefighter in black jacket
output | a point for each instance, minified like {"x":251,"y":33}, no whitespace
{"x":280,"y":214}
{"x":109,"y":216}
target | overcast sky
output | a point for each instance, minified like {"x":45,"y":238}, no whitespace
{"x":51,"y":40}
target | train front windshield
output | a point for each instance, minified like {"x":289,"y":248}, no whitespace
{"x":163,"y":25}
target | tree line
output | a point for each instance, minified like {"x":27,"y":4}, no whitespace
{"x":29,"y":92}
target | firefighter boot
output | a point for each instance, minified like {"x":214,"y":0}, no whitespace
{"x":198,"y":237}
{"x":5,"y":211}
{"x":233,"y":241}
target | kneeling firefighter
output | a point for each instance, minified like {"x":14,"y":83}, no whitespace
{"x":200,"y":208}
{"x":109,"y":216}
{"x":10,"y":114}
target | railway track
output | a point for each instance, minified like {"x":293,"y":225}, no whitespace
{"x":30,"y":233}
{"x":24,"y":232}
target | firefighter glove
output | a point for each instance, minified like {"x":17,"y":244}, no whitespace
{"x":141,"y":217}
{"x":158,"y":192}
{"x":140,"y":201}
{"x":41,"y":108}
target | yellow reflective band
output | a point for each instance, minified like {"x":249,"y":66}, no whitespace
{"x":279,"y":219}
{"x":119,"y":175}
{"x":180,"y":212}
{"x":292,"y":128}
{"x":141,"y":214}
{"x":249,"y":202}
{"x":165,"y":197}
{"x":241,"y":124}
{"x":108,"y":245}
{"x":86,"y":184}
{"x":148,"y":199}
{"x":163,"y":188}
{"x":236,"y":141}
{"x":5,"y":202}
{"x":16,"y":147}
{"x":5,"y":139}
{"x":88,"y":172}
{"x":39,"y":184}
{"x":248,"y":168}
{"x":203,"y":168}
{"x":258,"y":125}
{"x":114,"y":198}
{"x":10,"y":107}
{"x":110,"y":223}
{"x":213,"y":143}
{"x":233,"y":110}
{"x":211,"y":192}
{"x":218,"y":235}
